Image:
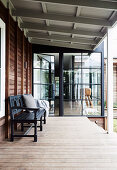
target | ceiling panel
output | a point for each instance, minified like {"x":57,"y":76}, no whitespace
{"x":95,"y":13}
{"x":61,"y":23}
{"x":61,"y":9}
{"x":27,"y":5}
{"x":38,"y":31}
{"x":86,"y":27}
{"x":33,"y":20}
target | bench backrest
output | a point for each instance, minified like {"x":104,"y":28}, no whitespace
{"x":15,"y":101}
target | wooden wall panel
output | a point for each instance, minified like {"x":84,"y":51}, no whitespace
{"x":12,"y":57}
{"x":25,"y":61}
{"x":30,"y":69}
{"x":18,"y":80}
{"x":20,"y":62}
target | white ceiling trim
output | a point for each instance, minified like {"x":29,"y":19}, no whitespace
{"x":35,"y":26}
{"x":55,"y":17}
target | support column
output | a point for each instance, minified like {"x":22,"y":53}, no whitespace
{"x":73,"y":87}
{"x":109,"y":84}
{"x":61,"y":112}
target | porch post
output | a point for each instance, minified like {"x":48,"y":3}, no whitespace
{"x":109,"y":84}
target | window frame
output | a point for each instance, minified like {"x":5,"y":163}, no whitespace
{"x":2,"y":58}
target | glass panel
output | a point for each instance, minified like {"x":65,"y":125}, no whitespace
{"x":52,"y":59}
{"x":91,"y":61}
{"x":96,"y":91}
{"x":72,"y":107}
{"x":67,"y":76}
{"x":45,"y":64}
{"x":95,"y":110}
{"x":36,"y":61}
{"x":52,"y":66}
{"x":57,"y":86}
{"x":44,"y":92}
{"x":72,"y":76}
{"x":91,"y":95}
{"x":77,"y":76}
{"x":52,"y":107}
{"x":77,"y":61}
{"x":91,"y":76}
{"x":37,"y":89}
{"x":52,"y":78}
{"x":44,"y":76}
{"x":36,"y":75}
{"x":85,"y":61}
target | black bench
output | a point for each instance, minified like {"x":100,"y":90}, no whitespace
{"x":21,"y":114}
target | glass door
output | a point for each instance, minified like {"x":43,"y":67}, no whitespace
{"x":44,"y":79}
{"x":82,"y":84}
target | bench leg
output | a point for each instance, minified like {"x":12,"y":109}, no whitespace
{"x":12,"y":131}
{"x":41,"y":124}
{"x":35,"y":131}
{"x":22,"y":127}
{"x":44,"y":117}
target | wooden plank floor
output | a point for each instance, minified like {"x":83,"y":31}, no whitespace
{"x":65,"y":143}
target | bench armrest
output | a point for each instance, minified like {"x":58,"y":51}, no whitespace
{"x":25,"y":108}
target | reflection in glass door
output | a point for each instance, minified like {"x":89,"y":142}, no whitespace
{"x":44,"y":79}
{"x":82,"y":84}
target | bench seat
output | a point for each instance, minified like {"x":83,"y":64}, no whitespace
{"x":19,"y":113}
{"x":29,"y":115}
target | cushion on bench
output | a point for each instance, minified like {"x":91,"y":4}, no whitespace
{"x":29,"y":101}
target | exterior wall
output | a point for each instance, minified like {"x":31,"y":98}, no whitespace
{"x":114,"y":86}
{"x":100,"y":121}
{"x":18,"y":78}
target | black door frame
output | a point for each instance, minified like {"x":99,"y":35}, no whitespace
{"x":61,"y":50}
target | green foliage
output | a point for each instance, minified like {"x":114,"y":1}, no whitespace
{"x":115,"y":125}
{"x":115,"y":105}
{"x":104,"y":103}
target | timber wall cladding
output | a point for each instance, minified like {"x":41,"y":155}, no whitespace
{"x":18,"y":79}
{"x":19,"y":55}
{"x":12,"y":77}
{"x":19,"y":61}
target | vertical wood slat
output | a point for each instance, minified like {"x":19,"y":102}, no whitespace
{"x":22,"y":84}
{"x":16,"y":60}
{"x":27,"y":60}
{"x":7,"y":126}
{"x":31,"y":62}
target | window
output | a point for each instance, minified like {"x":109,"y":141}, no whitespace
{"x":2,"y":68}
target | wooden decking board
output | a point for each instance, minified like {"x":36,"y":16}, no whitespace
{"x":65,"y":143}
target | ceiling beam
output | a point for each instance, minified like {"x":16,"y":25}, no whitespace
{"x":61,"y":38}
{"x":44,"y":8}
{"x":100,"y":4}
{"x":55,"y":17}
{"x":78,"y":11}
{"x":35,"y":26}
{"x":60,"y":44}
